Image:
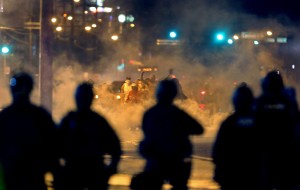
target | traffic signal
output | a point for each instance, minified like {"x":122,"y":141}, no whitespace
{"x":220,"y":36}
{"x":5,"y":49}
{"x":172,"y":34}
{"x":230,"y":41}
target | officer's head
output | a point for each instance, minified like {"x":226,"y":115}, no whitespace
{"x":166,"y":91}
{"x":84,"y":96}
{"x":21,"y":85}
{"x":272,"y":83}
{"x":242,"y":98}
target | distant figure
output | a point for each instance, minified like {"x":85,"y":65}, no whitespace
{"x":85,"y":137}
{"x":134,"y":95}
{"x":275,"y":112}
{"x":166,"y":145}
{"x":180,"y":94}
{"x":26,"y":138}
{"x":235,"y":150}
{"x":125,"y":89}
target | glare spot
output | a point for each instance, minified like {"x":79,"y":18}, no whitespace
{"x":59,"y":28}
{"x":236,"y":37}
{"x":53,"y":20}
{"x":230,"y":41}
{"x":13,"y":82}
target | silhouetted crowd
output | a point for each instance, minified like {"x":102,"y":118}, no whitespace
{"x":256,"y":148}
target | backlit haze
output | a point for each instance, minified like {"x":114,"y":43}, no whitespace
{"x":216,"y":72}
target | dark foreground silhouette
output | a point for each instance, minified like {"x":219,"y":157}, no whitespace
{"x":166,"y":145}
{"x":26,"y":138}
{"x":85,"y":137}
{"x":257,"y":147}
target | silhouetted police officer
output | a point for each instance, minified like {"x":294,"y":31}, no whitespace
{"x":275,"y":112}
{"x":85,"y":137}
{"x":234,"y":151}
{"x":166,"y":145}
{"x":26,"y":138}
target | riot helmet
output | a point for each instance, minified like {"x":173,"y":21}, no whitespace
{"x":272,"y":83}
{"x":84,"y":96}
{"x":242,"y":98}
{"x":166,"y":91}
{"x":21,"y":83}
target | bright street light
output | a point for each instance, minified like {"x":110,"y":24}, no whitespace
{"x":5,"y":50}
{"x":58,"y":29}
{"x":70,"y":18}
{"x":236,"y":37}
{"x":53,"y":20}
{"x":230,"y":41}
{"x":88,"y":28}
{"x":269,"y":33}
{"x":220,"y":37}
{"x":114,"y":37}
{"x":256,"y":42}
{"x":121,"y":18}
{"x":173,"y":34}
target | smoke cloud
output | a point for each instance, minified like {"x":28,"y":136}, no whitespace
{"x":215,"y":72}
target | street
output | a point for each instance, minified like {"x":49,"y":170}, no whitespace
{"x":131,"y":164}
{"x":202,"y":170}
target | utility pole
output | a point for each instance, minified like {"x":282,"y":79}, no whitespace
{"x":45,"y":54}
{"x":1,"y":6}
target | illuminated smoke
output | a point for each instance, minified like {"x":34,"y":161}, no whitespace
{"x":228,"y":67}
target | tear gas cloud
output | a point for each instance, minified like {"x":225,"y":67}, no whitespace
{"x":245,"y":63}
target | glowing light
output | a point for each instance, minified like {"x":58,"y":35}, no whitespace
{"x":202,"y":92}
{"x":65,"y":15}
{"x":104,"y":9}
{"x":121,"y":67}
{"x":94,"y":25}
{"x":96,"y":96}
{"x":70,"y":18}
{"x":5,"y":50}
{"x":130,"y":18}
{"x":230,"y":41}
{"x":76,"y":1}
{"x":132,"y":25}
{"x":256,"y":42}
{"x":86,"y":12}
{"x":108,"y":9}
{"x":100,"y":3}
{"x":236,"y":37}
{"x":121,"y":18}
{"x":88,"y":28}
{"x":220,"y":37}
{"x":269,"y":33}
{"x":172,"y":34}
{"x":293,"y":66}
{"x":59,"y":29}
{"x":93,"y":9}
{"x":53,"y":20}
{"x":13,"y":82}
{"x":114,"y":37}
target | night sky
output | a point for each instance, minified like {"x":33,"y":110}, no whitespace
{"x":260,"y":8}
{"x":264,"y":8}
